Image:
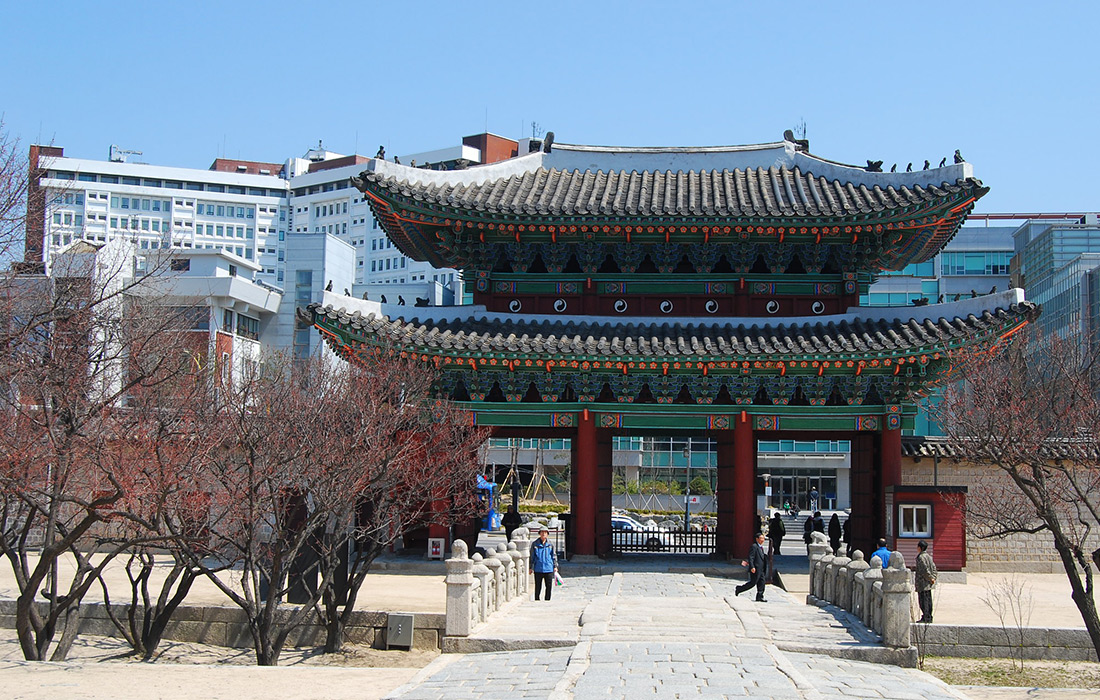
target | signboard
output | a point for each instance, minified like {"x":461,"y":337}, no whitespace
{"x":694,"y":499}
{"x":435,"y":547}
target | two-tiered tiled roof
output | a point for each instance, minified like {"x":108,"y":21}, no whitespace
{"x":601,"y":339}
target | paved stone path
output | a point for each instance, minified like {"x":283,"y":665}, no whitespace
{"x":658,"y":635}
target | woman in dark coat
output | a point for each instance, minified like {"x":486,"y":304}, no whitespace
{"x":776,"y":531}
{"x":835,"y":532}
{"x":807,"y":529}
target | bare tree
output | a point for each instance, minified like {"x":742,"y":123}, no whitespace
{"x":402,"y":461}
{"x":14,"y":188}
{"x":175,"y":428}
{"x":76,"y":346}
{"x":1029,"y":408}
{"x":270,"y":488}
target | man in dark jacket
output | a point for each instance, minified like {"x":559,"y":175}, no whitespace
{"x":776,"y":532}
{"x":511,"y":521}
{"x":758,"y":569}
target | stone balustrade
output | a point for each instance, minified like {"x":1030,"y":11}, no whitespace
{"x":877,"y":596}
{"x":478,"y":586}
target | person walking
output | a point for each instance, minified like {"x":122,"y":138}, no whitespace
{"x":813,"y":498}
{"x":834,"y":533}
{"x":776,"y":531}
{"x":544,"y":563}
{"x":883,"y":552}
{"x":848,"y":537}
{"x":925,"y":580}
{"x":819,"y":522}
{"x":511,"y":521}
{"x":758,"y":569}
{"x":807,"y":530}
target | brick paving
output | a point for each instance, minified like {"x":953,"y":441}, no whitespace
{"x":666,"y":635}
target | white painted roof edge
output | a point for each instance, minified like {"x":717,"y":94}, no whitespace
{"x":569,"y":157}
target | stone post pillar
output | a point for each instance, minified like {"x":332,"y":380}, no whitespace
{"x":508,"y":566}
{"x":818,"y":582}
{"x":849,"y":600}
{"x":497,"y":583}
{"x":896,"y":599}
{"x":833,"y":580}
{"x":521,"y":538}
{"x":871,"y":576}
{"x":485,"y":579}
{"x":460,"y":581}
{"x":819,"y":546}
{"x":520,"y":567}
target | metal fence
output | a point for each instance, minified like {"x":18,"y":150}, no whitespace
{"x":662,"y":541}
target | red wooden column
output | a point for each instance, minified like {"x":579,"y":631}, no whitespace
{"x":891,"y":478}
{"x":585,"y":485}
{"x":866,"y":518}
{"x":724,"y":538}
{"x":744,"y":500}
{"x":604,"y":449}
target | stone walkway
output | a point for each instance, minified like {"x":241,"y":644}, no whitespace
{"x":663,"y":635}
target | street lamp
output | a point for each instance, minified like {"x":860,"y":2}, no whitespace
{"x":687,"y":489}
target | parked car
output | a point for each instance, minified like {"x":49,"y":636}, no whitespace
{"x":627,"y":534}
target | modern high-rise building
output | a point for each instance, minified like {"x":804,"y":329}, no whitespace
{"x":244,"y":207}
{"x":295,"y":227}
{"x":1057,"y":261}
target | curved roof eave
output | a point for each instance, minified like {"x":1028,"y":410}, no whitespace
{"x":569,"y":157}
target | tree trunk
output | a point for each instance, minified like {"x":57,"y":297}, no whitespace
{"x":69,"y":632}
{"x":334,"y":631}
{"x":1081,"y":596}
{"x":153,"y":633}
{"x":24,"y":628}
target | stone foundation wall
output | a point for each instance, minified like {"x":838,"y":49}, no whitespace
{"x":228,"y":627}
{"x":1023,"y":553}
{"x":973,"y":641}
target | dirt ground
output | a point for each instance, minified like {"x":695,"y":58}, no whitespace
{"x":1000,"y":672}
{"x":92,"y":672}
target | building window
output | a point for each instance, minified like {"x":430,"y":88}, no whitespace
{"x":914,"y":520}
{"x":248,"y":327}
{"x":195,"y":318}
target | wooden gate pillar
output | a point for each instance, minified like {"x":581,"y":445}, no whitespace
{"x":745,"y":521}
{"x":724,"y":537}
{"x":585,"y":485}
{"x":891,"y":478}
{"x":604,"y":474}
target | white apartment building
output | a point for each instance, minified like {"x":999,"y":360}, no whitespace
{"x":158,"y":207}
{"x":243,"y":207}
{"x":298,"y":226}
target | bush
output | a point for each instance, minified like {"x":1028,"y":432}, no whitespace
{"x":672,"y":488}
{"x":701,"y":486}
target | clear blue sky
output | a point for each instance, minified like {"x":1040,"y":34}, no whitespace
{"x":1012,"y":84}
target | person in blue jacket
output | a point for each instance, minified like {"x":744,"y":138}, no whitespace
{"x":544,"y":563}
{"x":883,"y":553}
